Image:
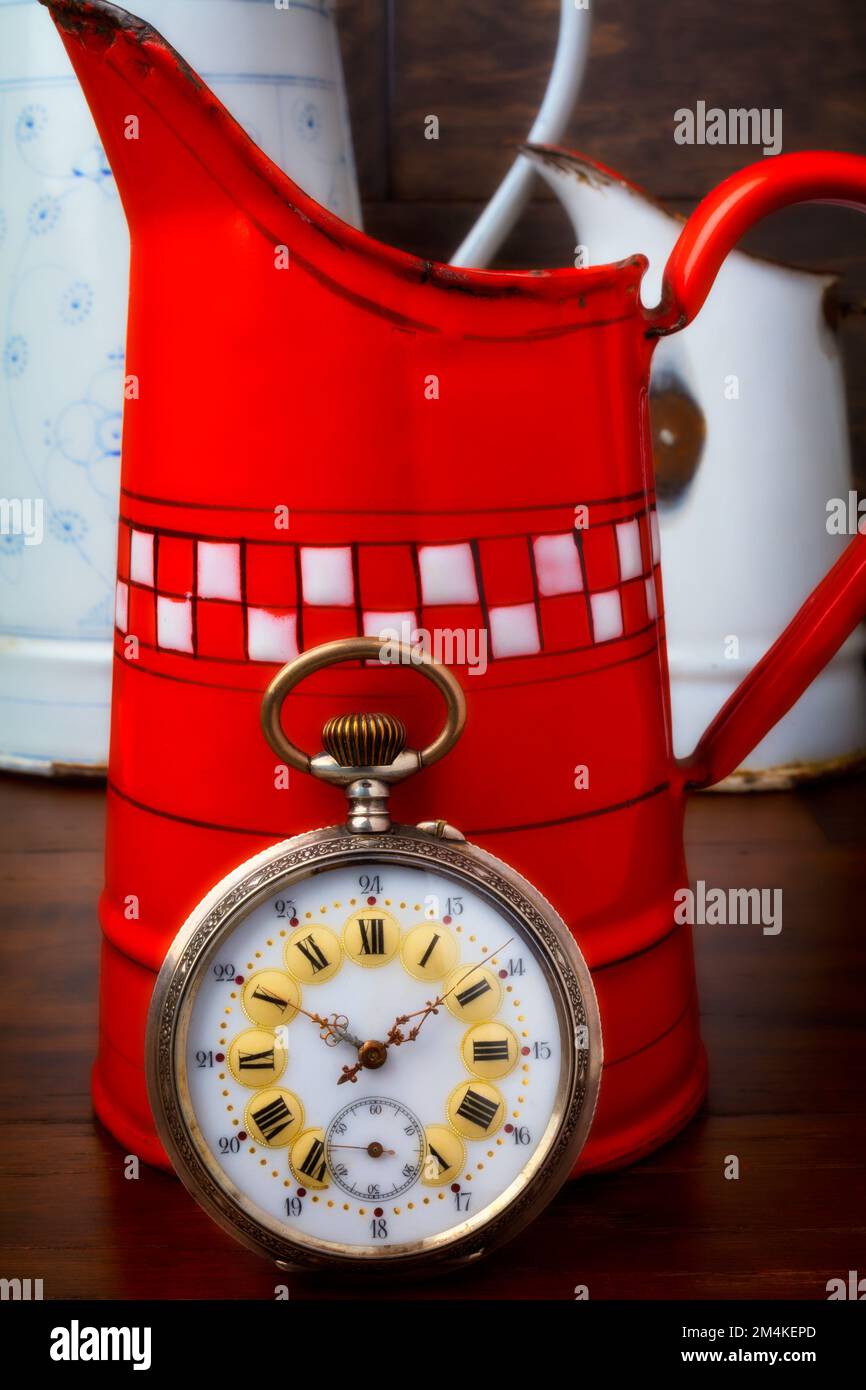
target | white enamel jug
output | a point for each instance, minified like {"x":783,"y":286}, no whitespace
{"x":751,"y":439}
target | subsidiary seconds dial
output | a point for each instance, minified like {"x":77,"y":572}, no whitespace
{"x":375,"y":1149}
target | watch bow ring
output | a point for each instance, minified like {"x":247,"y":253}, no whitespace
{"x":365,"y":648}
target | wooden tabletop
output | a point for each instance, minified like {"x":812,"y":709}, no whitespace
{"x":783,"y":1019}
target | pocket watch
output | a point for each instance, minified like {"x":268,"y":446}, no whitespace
{"x":373,"y":1045}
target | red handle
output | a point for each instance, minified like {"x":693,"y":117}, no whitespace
{"x":835,"y":607}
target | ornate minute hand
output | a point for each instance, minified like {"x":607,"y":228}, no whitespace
{"x":395,"y":1036}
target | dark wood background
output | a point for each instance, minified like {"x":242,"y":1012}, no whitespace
{"x":482,"y":66}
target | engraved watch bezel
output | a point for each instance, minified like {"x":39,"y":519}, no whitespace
{"x":242,"y":891}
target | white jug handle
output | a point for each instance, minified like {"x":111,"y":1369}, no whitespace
{"x":512,"y":195}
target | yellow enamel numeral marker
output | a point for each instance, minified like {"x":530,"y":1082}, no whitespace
{"x":271,"y":998}
{"x":476,"y":1109}
{"x":313,"y":954}
{"x":307,"y":1159}
{"x":274,"y":1117}
{"x":473,"y":994}
{"x":371,"y":937}
{"x":490,"y":1050}
{"x":429,"y":951}
{"x":256,"y":1058}
{"x":445,"y":1156}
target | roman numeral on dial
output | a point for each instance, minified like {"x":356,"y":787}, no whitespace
{"x":429,"y":951}
{"x":257,"y":1057}
{"x":314,"y":1166}
{"x":308,"y":1159}
{"x":438,"y":1159}
{"x":274,"y":1118}
{"x":313,"y":954}
{"x":371,"y":936}
{"x":270,"y":998}
{"x":266,"y":997}
{"x":473,"y":994}
{"x":444,"y":1158}
{"x":372,"y":931}
{"x":476,"y":1109}
{"x":490,"y":1050}
{"x":256,"y":1061}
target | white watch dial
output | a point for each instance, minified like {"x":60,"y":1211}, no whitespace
{"x":373,"y":1056}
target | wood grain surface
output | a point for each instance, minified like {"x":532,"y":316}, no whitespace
{"x":783,"y":1019}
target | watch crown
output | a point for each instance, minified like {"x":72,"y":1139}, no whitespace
{"x":364,"y":740}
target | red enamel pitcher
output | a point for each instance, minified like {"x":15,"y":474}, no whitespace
{"x":324,"y":436}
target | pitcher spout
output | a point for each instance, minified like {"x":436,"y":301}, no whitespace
{"x":169,"y":141}
{"x":181,"y":160}
{"x":610,"y":215}
{"x":257,"y":316}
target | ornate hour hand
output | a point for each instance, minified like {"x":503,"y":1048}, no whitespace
{"x":338,"y":1028}
{"x":333,"y":1029}
{"x":373,"y":1054}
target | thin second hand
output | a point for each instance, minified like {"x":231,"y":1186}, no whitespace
{"x":362,"y":1148}
{"x":477,"y":965}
